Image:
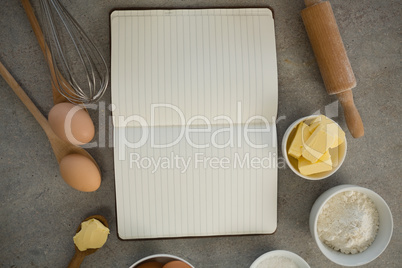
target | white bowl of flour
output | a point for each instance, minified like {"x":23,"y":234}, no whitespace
{"x":351,"y":225}
{"x":279,"y":259}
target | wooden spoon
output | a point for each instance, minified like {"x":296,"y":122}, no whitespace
{"x":80,"y":255}
{"x":57,"y":97}
{"x":57,"y":79}
{"x":60,"y":147}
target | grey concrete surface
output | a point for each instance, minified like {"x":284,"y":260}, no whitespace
{"x":39,"y":212}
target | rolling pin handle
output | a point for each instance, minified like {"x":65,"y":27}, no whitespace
{"x":310,"y":3}
{"x":352,"y":116}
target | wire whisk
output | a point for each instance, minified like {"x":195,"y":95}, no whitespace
{"x":81,"y":72}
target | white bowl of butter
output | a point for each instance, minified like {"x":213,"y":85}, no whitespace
{"x":314,"y":147}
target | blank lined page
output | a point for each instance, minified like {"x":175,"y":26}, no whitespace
{"x":172,"y":68}
{"x":215,"y":192}
{"x":194,"y":62}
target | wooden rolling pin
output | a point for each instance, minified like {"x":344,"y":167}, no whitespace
{"x":332,"y":59}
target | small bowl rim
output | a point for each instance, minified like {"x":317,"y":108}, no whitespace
{"x":336,"y":190}
{"x":159,"y":256}
{"x":286,"y":156}
{"x":291,"y":255}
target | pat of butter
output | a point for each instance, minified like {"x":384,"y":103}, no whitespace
{"x":340,"y":138}
{"x":302,"y":134}
{"x":308,"y":168}
{"x":319,"y":120}
{"x":323,"y":120}
{"x":323,"y":137}
{"x":326,"y":158}
{"x":93,"y":234}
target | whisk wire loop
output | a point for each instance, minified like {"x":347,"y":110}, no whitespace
{"x":81,"y":72}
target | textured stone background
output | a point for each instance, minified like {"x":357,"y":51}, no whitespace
{"x":39,"y":212}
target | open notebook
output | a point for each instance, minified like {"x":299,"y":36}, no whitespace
{"x":195,"y":94}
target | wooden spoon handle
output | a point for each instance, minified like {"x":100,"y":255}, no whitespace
{"x":76,"y":260}
{"x":57,"y":97}
{"x":25,"y":99}
{"x":36,"y":27}
{"x":352,"y":116}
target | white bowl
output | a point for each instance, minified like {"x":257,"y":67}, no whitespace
{"x":338,"y":154}
{"x":301,"y":263}
{"x":377,"y":247}
{"x":162,"y":258}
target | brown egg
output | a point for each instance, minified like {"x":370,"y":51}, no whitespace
{"x":80,"y":173}
{"x":176,"y":264}
{"x":71,"y":123}
{"x":151,"y":264}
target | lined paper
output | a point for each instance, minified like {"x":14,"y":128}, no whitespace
{"x":216,"y":63}
{"x":203,"y":62}
{"x":202,"y":201}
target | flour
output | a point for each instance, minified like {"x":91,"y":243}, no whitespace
{"x":277,"y":262}
{"x":348,"y":222}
